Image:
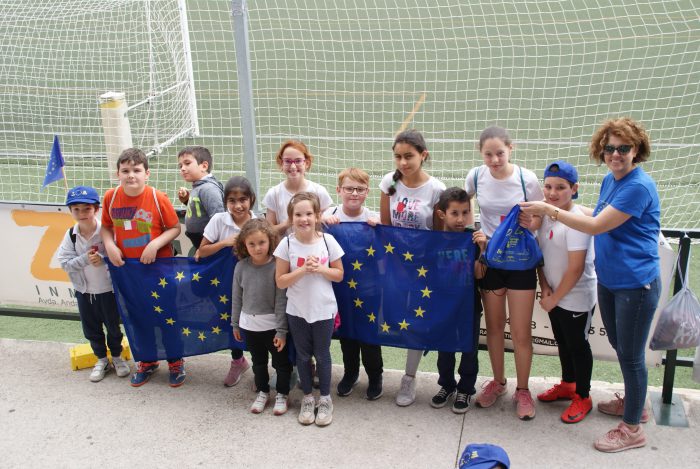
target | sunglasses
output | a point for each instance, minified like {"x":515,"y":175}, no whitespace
{"x":621,"y":149}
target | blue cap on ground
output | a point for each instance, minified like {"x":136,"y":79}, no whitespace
{"x":82,"y":195}
{"x":564,"y":170}
{"x":483,"y":456}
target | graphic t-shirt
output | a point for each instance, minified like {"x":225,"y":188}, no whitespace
{"x":135,"y":221}
{"x":412,"y":207}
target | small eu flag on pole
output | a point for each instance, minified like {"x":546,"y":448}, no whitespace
{"x":54,"y":170}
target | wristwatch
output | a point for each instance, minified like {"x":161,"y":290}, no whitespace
{"x":555,"y":216}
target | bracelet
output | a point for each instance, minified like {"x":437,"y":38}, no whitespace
{"x":555,"y":217}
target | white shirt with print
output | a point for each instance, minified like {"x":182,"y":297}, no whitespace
{"x":311,"y":297}
{"x":412,"y":207}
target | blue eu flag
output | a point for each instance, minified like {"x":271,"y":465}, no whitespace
{"x":54,"y":169}
{"x":176,"y":307}
{"x":406,"y":288}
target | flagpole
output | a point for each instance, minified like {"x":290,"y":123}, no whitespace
{"x":65,"y":180}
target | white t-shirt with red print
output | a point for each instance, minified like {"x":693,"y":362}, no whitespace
{"x":311,"y":297}
{"x":412,"y":207}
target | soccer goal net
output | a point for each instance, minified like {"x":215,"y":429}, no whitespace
{"x":59,"y":57}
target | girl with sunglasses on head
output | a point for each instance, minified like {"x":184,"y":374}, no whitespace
{"x":625,"y":226}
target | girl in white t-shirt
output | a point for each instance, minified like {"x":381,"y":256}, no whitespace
{"x":499,"y":185}
{"x":408,"y":199}
{"x":294,"y":160}
{"x":569,"y":289}
{"x":220,"y":233}
{"x":308,"y":261}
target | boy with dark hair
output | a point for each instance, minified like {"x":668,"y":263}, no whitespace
{"x":139,"y":222}
{"x":207,"y":195}
{"x":455,"y":211}
{"x":80,"y":255}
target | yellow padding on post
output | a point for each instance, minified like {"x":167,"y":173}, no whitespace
{"x":82,"y":356}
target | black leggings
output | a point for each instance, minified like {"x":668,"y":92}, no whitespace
{"x":571,"y":333}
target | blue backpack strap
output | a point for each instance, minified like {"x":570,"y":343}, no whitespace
{"x":522,"y":183}
{"x":476,"y":182}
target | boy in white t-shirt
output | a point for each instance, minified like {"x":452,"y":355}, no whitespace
{"x":353,"y":187}
{"x":568,"y":283}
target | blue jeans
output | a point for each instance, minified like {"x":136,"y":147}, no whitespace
{"x":627,"y":316}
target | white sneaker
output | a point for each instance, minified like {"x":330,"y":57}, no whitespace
{"x":260,"y":403}
{"x":306,"y":413}
{"x":407,"y":393}
{"x":280,"y":404}
{"x":100,"y":370}
{"x":121,"y":367}
{"x":325,"y":411}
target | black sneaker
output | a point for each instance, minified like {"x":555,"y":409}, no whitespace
{"x":440,"y":399}
{"x":346,"y":384}
{"x":461,"y":403}
{"x":374,"y":390}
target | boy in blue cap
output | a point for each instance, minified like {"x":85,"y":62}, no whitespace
{"x":569,"y":292}
{"x":80,"y":255}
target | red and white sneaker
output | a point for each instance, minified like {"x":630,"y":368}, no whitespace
{"x":563,"y":390}
{"x":577,"y":411}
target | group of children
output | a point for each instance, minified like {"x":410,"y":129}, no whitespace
{"x":282,"y":286}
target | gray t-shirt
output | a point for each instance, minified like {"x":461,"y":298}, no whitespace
{"x":255,"y":293}
{"x":206,"y":199}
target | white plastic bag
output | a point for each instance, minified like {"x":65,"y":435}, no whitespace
{"x":679,"y":322}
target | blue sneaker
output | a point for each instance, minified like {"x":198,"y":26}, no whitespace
{"x":177,"y":373}
{"x":143,"y":373}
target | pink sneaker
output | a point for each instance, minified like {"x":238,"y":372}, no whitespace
{"x":491,"y":390}
{"x":525,"y":406}
{"x":238,"y":367}
{"x":616,"y":407}
{"x":620,"y":439}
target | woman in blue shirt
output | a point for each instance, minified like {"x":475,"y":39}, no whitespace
{"x":625,"y":225}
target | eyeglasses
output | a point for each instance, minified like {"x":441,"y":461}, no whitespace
{"x":297,"y":162}
{"x":621,"y":149}
{"x":350,"y":190}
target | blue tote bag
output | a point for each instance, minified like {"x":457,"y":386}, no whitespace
{"x":513,"y":247}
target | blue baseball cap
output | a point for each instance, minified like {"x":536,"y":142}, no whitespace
{"x":564,"y":170}
{"x":483,"y":456}
{"x":82,"y":195}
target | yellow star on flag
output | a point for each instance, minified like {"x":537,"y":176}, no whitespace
{"x":216,"y":330}
{"x":158,"y":309}
{"x":426,"y":292}
{"x":179,"y":276}
{"x":370,"y":251}
{"x":404,"y":325}
{"x":407,"y":256}
{"x":215,"y":282}
{"x":155,"y":295}
{"x":422,"y":271}
{"x":356,"y":265}
{"x":162,"y":283}
{"x":224,"y":299}
{"x":419,"y":311}
{"x":196,"y":277}
{"x":201,"y":336}
{"x":371,"y":317}
{"x":352,"y":283}
{"x":170,"y":321}
{"x":385,"y":327}
{"x":186,"y":331}
{"x":224,"y":316}
{"x":358,"y":303}
{"x":389,"y":248}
